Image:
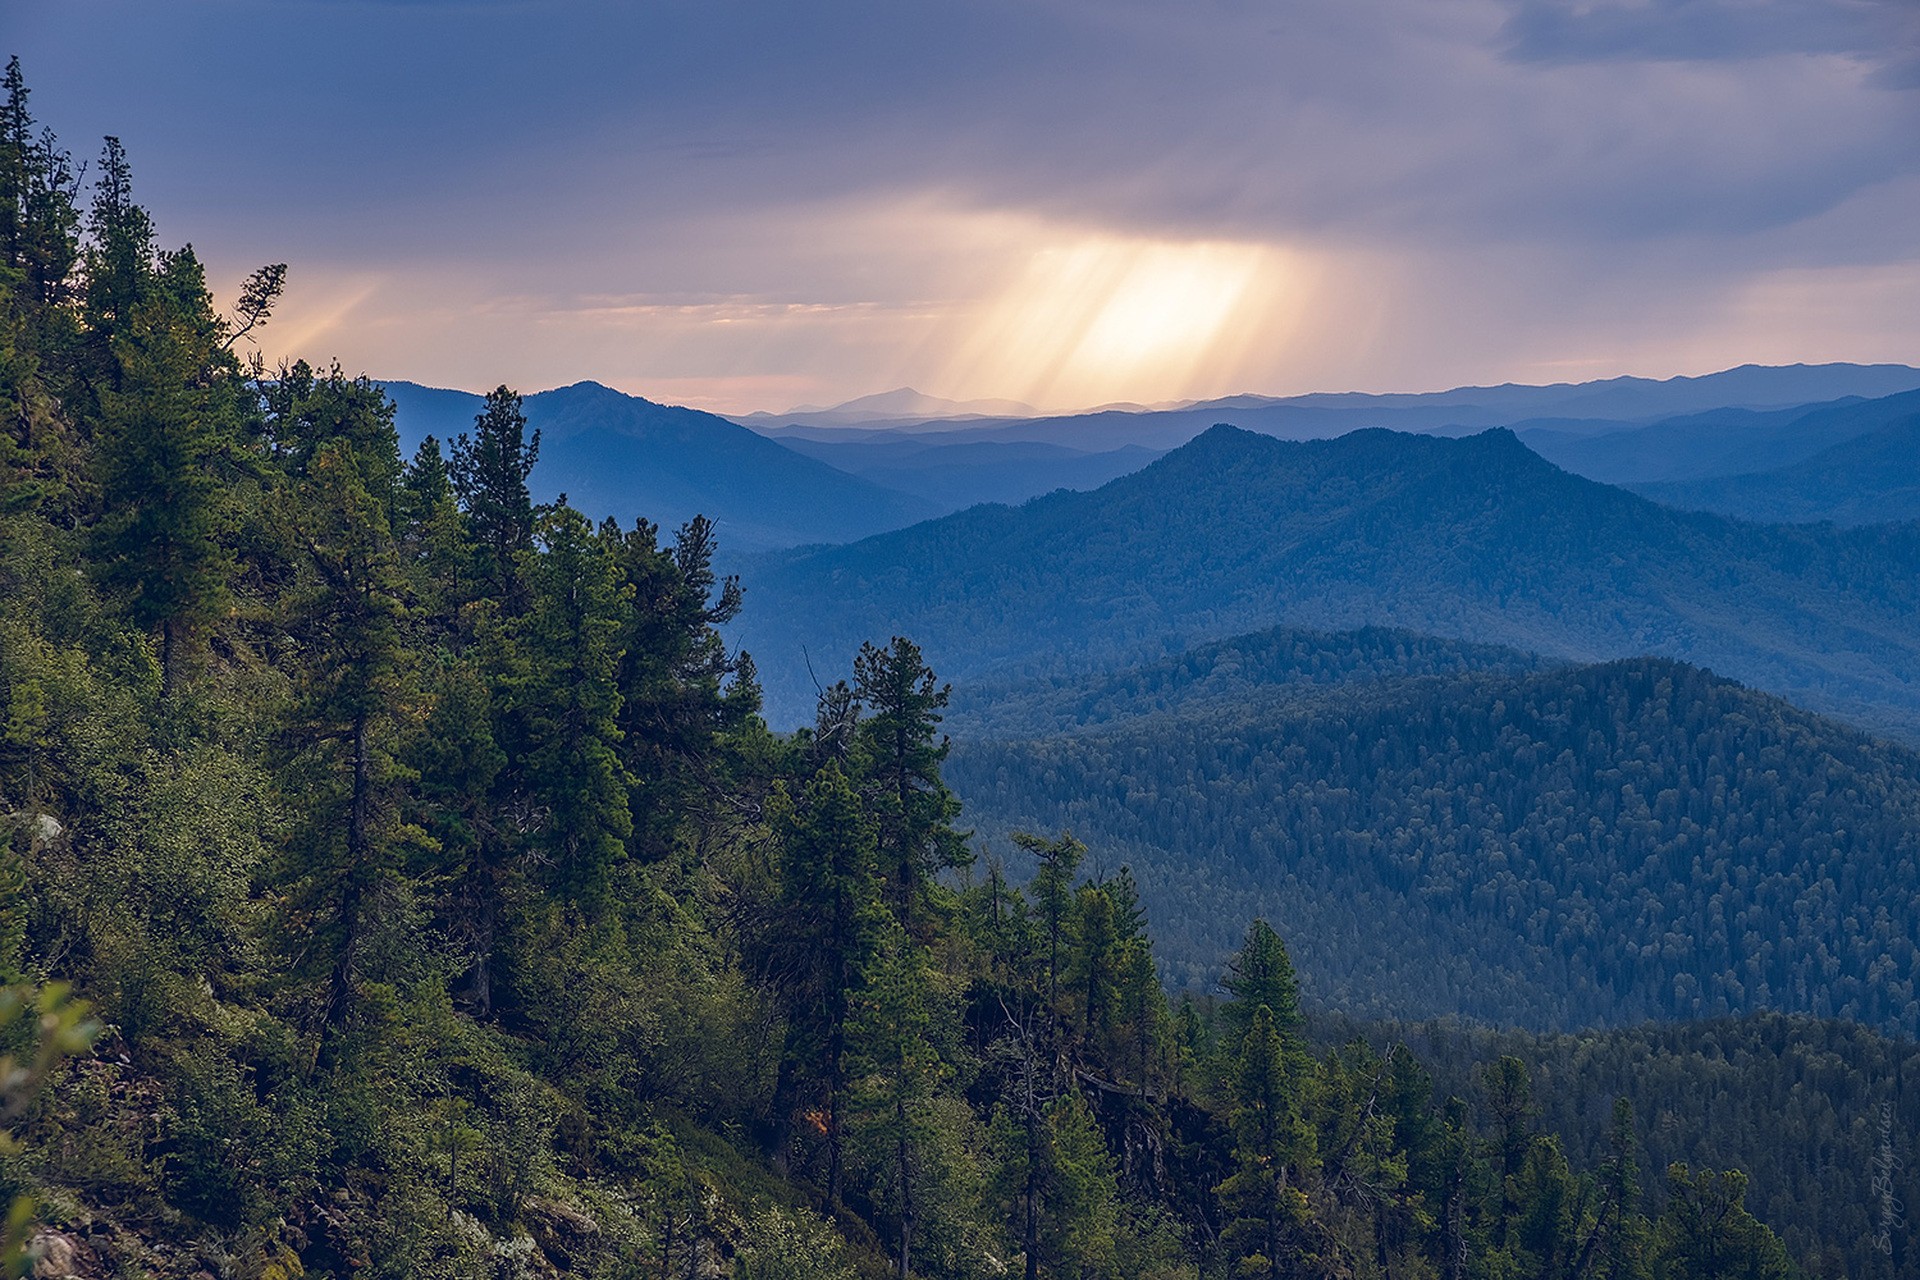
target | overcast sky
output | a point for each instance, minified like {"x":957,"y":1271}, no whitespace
{"x":753,"y":205}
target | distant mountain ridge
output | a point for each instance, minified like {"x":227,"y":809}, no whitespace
{"x":1475,"y":538}
{"x":900,"y":404}
{"x":1461,"y":410}
{"x":1720,"y":442}
{"x":623,"y":456}
{"x":1864,"y":479}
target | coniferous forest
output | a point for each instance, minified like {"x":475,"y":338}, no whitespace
{"x":398,"y":879}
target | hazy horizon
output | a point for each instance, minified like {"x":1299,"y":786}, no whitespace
{"x":1064,"y":204}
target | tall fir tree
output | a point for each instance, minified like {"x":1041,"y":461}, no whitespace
{"x":903,"y":750}
{"x":1265,"y":1198}
{"x":567,"y":701}
{"x":834,"y":918}
{"x":490,"y":467}
{"x":347,"y":619}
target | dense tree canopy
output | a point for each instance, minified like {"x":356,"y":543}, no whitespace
{"x":447,"y":909}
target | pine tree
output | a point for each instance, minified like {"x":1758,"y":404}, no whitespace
{"x":39,"y":221}
{"x":348,"y":620}
{"x":676,"y":706}
{"x":834,"y":922}
{"x":913,"y":808}
{"x":490,"y":469}
{"x":897,"y":1071}
{"x":1261,"y":974}
{"x":1706,"y":1233}
{"x":1553,"y":1208}
{"x":474,"y":870}
{"x":567,"y":705}
{"x":1619,"y":1230}
{"x":1095,"y":963}
{"x":1052,"y":891}
{"x":168,"y":427}
{"x":1272,"y":1146}
{"x":434,"y":538}
{"x":1509,"y":1090}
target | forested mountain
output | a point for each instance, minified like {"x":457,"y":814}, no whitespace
{"x":397,"y":880}
{"x":1722,"y":442}
{"x":621,"y":456}
{"x":1865,"y":480}
{"x":1273,"y":666}
{"x":1821,"y":1114}
{"x":1584,"y":846}
{"x":1476,"y":538}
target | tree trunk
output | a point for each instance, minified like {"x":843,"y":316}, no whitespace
{"x":903,"y":1153}
{"x":1032,"y":1232}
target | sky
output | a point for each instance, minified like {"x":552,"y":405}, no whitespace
{"x":754,"y":204}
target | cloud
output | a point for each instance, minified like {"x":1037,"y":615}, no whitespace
{"x":1706,"y":30}
{"x":820,"y":196}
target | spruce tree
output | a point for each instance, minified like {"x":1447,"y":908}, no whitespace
{"x":567,"y":703}
{"x":914,"y":810}
{"x":490,"y":469}
{"x":166,"y":435}
{"x":834,"y":918}
{"x":1272,"y":1145}
{"x":347,"y":619}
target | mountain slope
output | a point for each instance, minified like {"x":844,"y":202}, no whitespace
{"x":618,"y":455}
{"x":1476,"y":538}
{"x":1575,"y":847}
{"x":1864,"y":480}
{"x":1724,"y":442}
{"x":1273,"y":666}
{"x":957,"y":476}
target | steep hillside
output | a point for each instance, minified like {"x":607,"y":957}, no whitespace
{"x":1770,"y":1088}
{"x":618,"y":455}
{"x":1599,"y":845}
{"x":1476,"y":538}
{"x":1280,"y":664}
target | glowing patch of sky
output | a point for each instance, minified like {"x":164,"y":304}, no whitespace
{"x":1072,"y":201}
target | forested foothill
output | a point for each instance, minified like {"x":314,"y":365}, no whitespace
{"x":1571,"y":847}
{"x":398,"y":878}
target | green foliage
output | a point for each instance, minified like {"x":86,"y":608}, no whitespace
{"x":1706,"y":1232}
{"x":38,"y":1029}
{"x":1473,"y":539}
{"x":450,"y":911}
{"x":782,"y":1245}
{"x":1591,"y":845}
{"x":489,"y":472}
